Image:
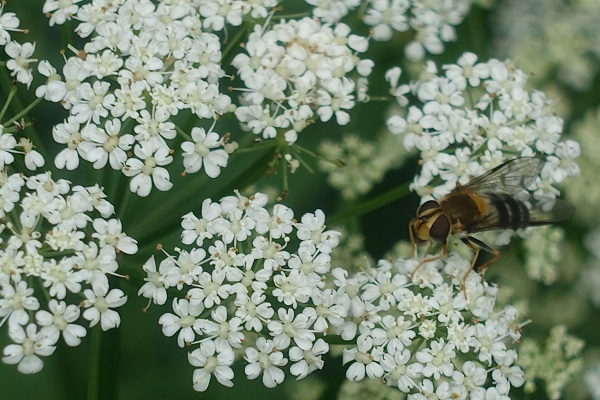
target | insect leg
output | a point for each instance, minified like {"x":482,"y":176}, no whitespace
{"x":426,"y":260}
{"x":411,"y":228}
{"x":476,"y":245}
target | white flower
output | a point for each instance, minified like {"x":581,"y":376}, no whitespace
{"x":265,"y":359}
{"x":216,"y":13}
{"x":7,"y":144}
{"x":33,"y":159}
{"x":19,"y":61}
{"x":8,"y":22}
{"x":296,"y":328}
{"x":99,"y":306}
{"x":15,"y":301}
{"x":307,"y":361}
{"x":60,"y":11}
{"x":185,"y":321}
{"x":59,"y":277}
{"x":297,"y":68}
{"x":111,"y":233}
{"x":154,"y":288}
{"x":155,"y":129}
{"x":106,"y":145}
{"x":149,"y":171}
{"x":365,"y":359}
{"x":197,"y":229}
{"x":203,"y":152}
{"x":94,"y":103}
{"x":30,"y":344}
{"x":224,"y":329}
{"x":291,"y":288}
{"x":335,"y":99}
{"x":60,"y":321}
{"x":213,"y":359}
{"x":386,"y":16}
{"x":506,"y":120}
{"x":398,"y":371}
{"x":254,"y":311}
{"x":210,"y":289}
{"x":68,"y":133}
{"x":332,"y":11}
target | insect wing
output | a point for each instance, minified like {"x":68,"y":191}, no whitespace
{"x":544,"y":212}
{"x":509,"y":204}
{"x":512,"y":177}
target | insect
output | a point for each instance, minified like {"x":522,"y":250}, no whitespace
{"x":497,"y":199}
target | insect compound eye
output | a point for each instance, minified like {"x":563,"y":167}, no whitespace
{"x":428,"y":205}
{"x":440,"y":229}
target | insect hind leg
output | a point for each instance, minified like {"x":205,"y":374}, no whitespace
{"x":476,"y":245}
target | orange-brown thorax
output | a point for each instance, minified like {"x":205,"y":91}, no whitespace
{"x":463,"y":211}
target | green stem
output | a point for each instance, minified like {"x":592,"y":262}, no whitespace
{"x":237,"y":39}
{"x":94,"y":369}
{"x":11,"y":94}
{"x":372,"y":204}
{"x":23,"y":112}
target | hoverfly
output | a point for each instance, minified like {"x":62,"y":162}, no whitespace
{"x":497,"y":199}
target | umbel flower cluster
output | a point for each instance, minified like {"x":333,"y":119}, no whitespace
{"x":142,"y":65}
{"x":296,"y":69}
{"x":473,"y":117}
{"x":257,"y":285}
{"x":58,"y":242}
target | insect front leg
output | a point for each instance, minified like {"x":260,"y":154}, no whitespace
{"x":430,"y":259}
{"x":411,"y":233}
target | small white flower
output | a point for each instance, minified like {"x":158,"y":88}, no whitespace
{"x":213,"y":359}
{"x":110,"y":233}
{"x":265,"y":359}
{"x":307,"y":361}
{"x":15,"y":301}
{"x":30,"y":344}
{"x":60,"y":11}
{"x":19,"y":61}
{"x":99,"y":307}
{"x":60,"y":320}
{"x":365,"y":360}
{"x":203,"y":152}
{"x":149,"y":171}
{"x":154,"y":288}
{"x":186,"y":321}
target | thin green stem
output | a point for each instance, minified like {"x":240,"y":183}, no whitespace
{"x":372,"y":204}
{"x":11,"y":94}
{"x":23,"y":112}
{"x":237,"y":39}
{"x":94,"y":368}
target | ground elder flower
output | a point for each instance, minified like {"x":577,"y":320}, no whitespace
{"x":59,"y":237}
{"x":559,"y":44}
{"x":555,"y":364}
{"x":141,"y":67}
{"x":248,"y":289}
{"x":470,"y":335}
{"x":272,"y":299}
{"x":543,"y":254}
{"x":433,"y":22}
{"x":364,"y":163}
{"x":475,"y":116}
{"x":297,"y":71}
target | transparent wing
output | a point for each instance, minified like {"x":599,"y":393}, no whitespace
{"x":547,"y":212}
{"x":512,"y":177}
